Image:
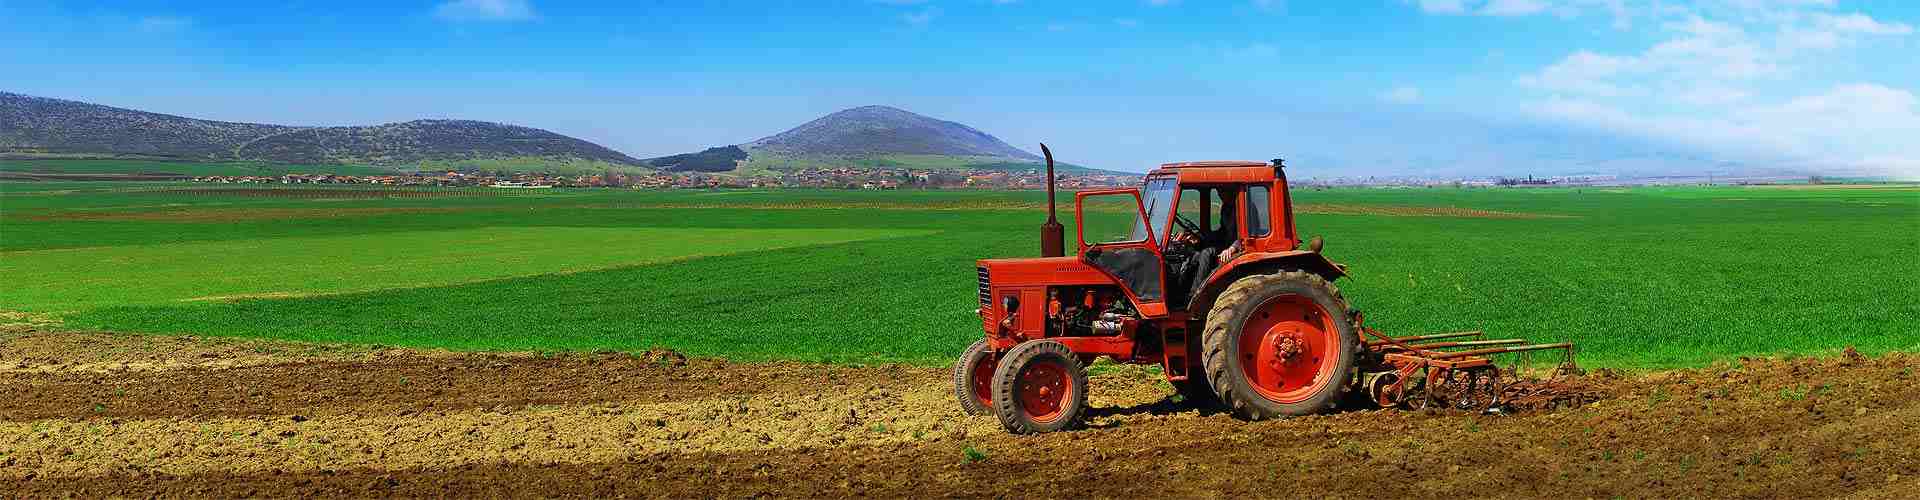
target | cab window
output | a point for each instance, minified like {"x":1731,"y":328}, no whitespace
{"x":1259,"y":221}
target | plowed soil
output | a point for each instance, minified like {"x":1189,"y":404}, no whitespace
{"x":109,"y":415}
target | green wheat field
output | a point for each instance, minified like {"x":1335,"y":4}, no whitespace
{"x":1643,"y":277}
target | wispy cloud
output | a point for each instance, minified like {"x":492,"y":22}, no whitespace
{"x":1501,"y":8}
{"x":1735,"y":77}
{"x":922,"y":17}
{"x":1860,"y":24}
{"x":1401,"y":95}
{"x":484,"y":10}
{"x":1513,"y":7}
{"x":1256,"y":50}
{"x":1127,"y":22}
{"x":1442,"y":6}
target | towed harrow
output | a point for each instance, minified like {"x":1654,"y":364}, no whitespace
{"x":1461,"y":371}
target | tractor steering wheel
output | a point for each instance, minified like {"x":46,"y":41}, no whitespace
{"x":1187,"y":225}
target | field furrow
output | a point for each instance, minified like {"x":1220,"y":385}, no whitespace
{"x":418,"y":423}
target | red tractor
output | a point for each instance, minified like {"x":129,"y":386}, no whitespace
{"x":1214,"y":285}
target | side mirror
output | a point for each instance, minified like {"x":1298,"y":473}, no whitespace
{"x":1315,"y":244}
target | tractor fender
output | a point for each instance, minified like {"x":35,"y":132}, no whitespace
{"x":1260,"y":263}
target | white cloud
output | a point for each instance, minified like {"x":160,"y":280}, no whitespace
{"x":1860,"y":23}
{"x":1775,"y":4}
{"x":484,"y":10}
{"x":1512,"y":7}
{"x":1502,"y":8}
{"x":921,"y":18}
{"x":1401,"y":95}
{"x":1857,"y":127}
{"x":1253,"y":51}
{"x":1443,"y":6}
{"x":1710,"y":94}
{"x":1585,"y":73}
{"x":1738,"y":78}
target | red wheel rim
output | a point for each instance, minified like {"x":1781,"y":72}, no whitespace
{"x":1044,"y":389}
{"x":981,"y":380}
{"x":1287,"y":349}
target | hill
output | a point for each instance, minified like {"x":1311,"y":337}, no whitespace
{"x":57,"y":128}
{"x":866,"y":136}
{"x":878,"y":130}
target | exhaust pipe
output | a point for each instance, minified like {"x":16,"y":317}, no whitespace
{"x":1052,"y":236}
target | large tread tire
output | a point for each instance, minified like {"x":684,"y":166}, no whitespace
{"x":1006,"y":387}
{"x":973,"y":400}
{"x":1221,"y":340}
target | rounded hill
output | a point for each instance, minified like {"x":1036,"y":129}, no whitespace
{"x":871,"y":130}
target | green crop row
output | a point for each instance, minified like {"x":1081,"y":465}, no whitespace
{"x":1637,"y":277}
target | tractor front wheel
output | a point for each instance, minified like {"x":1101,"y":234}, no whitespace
{"x":1039,"y":387}
{"x":1279,"y":345}
{"x":973,"y":378}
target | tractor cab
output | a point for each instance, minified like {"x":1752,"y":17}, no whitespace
{"x":1191,"y":220}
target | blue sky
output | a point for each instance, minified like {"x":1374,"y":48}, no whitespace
{"x":1360,"y":87}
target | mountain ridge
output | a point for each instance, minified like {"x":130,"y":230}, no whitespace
{"x":872,"y":136}
{"x":878,"y":129}
{"x":45,"y":125}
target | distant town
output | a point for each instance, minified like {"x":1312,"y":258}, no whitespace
{"x":884,"y":178}
{"x":818,"y":178}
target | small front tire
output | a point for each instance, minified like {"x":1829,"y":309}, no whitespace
{"x":1039,"y":387}
{"x":973,"y":378}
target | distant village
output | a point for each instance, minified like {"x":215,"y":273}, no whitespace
{"x":901,"y":178}
{"x":819,"y":178}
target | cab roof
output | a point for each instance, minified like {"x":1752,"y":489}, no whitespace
{"x":1217,"y":172}
{"x":1214,"y":164}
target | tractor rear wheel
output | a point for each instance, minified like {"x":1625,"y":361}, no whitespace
{"x":973,"y":378}
{"x":1039,"y":387}
{"x":1279,"y":345}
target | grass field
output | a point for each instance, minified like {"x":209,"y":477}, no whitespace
{"x":1649,"y":277}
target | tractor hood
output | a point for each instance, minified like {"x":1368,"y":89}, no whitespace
{"x":1027,"y":280}
{"x":1040,"y":271}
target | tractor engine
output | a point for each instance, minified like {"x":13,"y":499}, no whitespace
{"x":1100,"y":311}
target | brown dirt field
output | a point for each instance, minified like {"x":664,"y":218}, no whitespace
{"x":203,"y":417}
